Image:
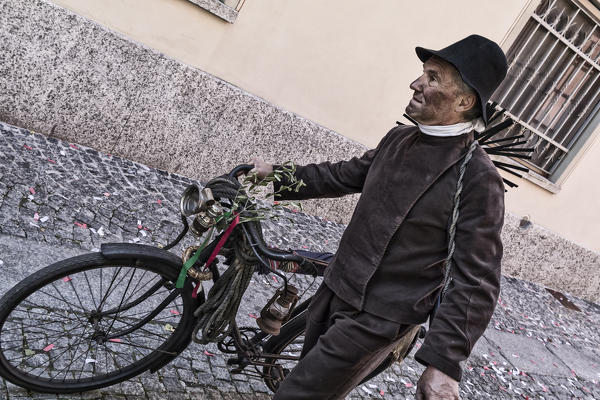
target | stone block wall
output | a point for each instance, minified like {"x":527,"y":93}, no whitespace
{"x":65,"y":76}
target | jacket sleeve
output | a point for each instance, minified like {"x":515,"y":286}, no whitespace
{"x":469,"y":303}
{"x":331,"y":179}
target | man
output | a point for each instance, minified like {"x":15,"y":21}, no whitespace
{"x":388,"y":270}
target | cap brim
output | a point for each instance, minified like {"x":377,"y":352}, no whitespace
{"x":423,"y":53}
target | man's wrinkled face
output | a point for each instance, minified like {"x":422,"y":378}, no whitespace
{"x":435,"y":96}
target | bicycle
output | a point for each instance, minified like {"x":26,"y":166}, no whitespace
{"x":98,"y":319}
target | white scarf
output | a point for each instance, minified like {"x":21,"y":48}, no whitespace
{"x":453,"y":130}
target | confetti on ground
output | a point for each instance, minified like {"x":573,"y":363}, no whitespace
{"x":30,"y":197}
{"x":175,"y":312}
{"x":73,"y":146}
{"x":101,"y":231}
{"x":29,"y":352}
{"x":66,"y":279}
{"x":169,"y":328}
{"x":81,"y":225}
{"x":381,"y":392}
{"x":48,"y":348}
{"x":252,"y":316}
{"x":31,"y":190}
{"x":52,"y":161}
{"x":275,"y":278}
{"x":27,"y":147}
{"x":159,"y":201}
{"x":89,"y":360}
{"x":115,"y":340}
{"x":208,"y":354}
{"x":36,"y":217}
{"x":1,"y":262}
{"x":143,"y":233}
{"x":106,"y":194}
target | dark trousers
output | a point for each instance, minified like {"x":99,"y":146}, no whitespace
{"x":341,"y":347}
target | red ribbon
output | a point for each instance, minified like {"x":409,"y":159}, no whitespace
{"x":213,"y":255}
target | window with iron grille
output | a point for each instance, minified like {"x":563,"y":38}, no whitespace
{"x":552,"y":89}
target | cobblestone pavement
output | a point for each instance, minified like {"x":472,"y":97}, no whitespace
{"x":59,"y":199}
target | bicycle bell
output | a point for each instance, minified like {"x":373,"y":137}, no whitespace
{"x":200,"y":202}
{"x":277,"y":310}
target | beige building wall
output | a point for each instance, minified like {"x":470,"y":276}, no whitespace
{"x":347,"y":65}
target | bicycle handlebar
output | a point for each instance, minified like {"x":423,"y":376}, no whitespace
{"x":242,"y":168}
{"x":256,"y":237}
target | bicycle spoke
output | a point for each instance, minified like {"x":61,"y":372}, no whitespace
{"x":108,"y":291}
{"x":59,"y":299}
{"x":90,"y":289}
{"x":76,"y":294}
{"x":121,"y":303}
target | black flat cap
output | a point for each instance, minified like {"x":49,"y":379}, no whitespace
{"x":480,"y":62}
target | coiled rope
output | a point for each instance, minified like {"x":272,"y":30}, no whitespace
{"x":217,"y":313}
{"x":454,"y":219}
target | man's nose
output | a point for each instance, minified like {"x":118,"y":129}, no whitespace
{"x":416,"y":85}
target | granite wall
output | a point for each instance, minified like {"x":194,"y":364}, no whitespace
{"x":65,"y":76}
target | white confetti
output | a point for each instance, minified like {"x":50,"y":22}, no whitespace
{"x":101,"y":231}
{"x":93,"y":230}
{"x":1,"y":262}
{"x":36,"y":216}
{"x":89,"y":360}
{"x":372,"y":386}
{"x":32,"y":224}
{"x":143,"y":232}
{"x":367,"y":391}
{"x":97,"y":198}
{"x":62,"y":153}
{"x":96,"y":250}
{"x":135,"y":240}
{"x":44,"y":219}
{"x":30,"y":197}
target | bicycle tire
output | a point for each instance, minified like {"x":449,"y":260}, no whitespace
{"x":53,"y":314}
{"x":290,"y":335}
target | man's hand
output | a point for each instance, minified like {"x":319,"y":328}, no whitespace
{"x":435,"y":385}
{"x":261,"y":169}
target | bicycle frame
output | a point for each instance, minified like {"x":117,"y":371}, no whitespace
{"x":248,"y":350}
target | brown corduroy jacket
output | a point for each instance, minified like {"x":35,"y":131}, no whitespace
{"x":390,"y":259}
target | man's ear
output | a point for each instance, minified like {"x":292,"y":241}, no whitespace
{"x":466,"y":102}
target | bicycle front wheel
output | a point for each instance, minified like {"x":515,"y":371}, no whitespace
{"x":88,"y":322}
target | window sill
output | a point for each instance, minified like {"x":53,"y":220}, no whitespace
{"x":542,"y":182}
{"x":217,"y":8}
